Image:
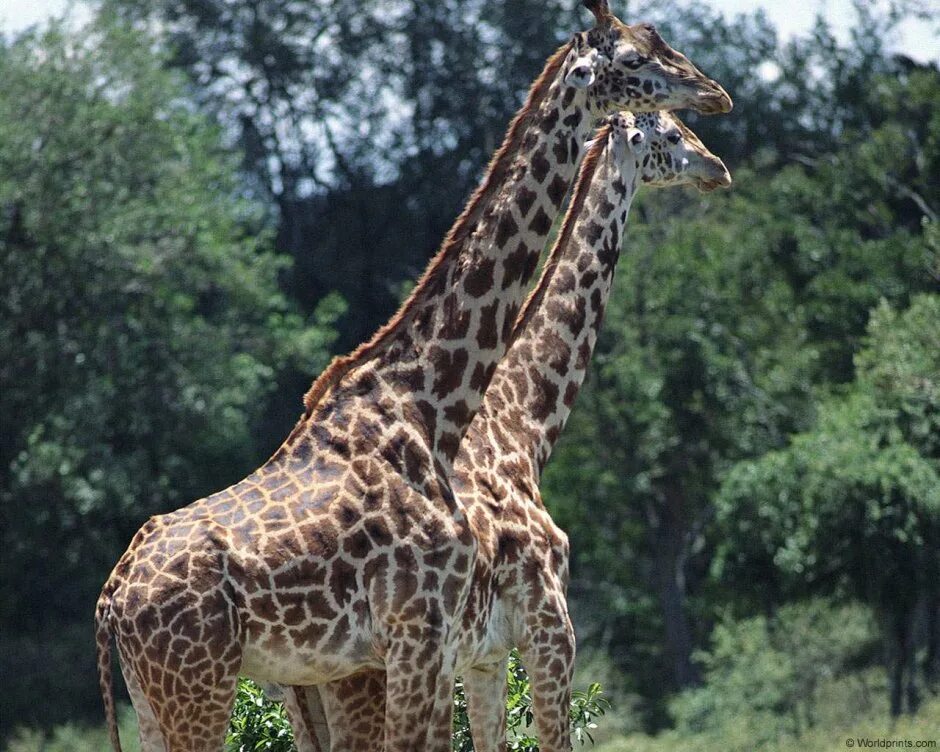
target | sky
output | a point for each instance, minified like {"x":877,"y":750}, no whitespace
{"x":917,"y":39}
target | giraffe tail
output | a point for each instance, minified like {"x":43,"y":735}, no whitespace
{"x":103,"y":640}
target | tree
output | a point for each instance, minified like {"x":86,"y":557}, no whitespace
{"x":364,"y":125}
{"x":763,"y":674}
{"x":852,"y":507}
{"x":141,"y":327}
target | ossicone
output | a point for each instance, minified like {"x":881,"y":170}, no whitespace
{"x":600,"y":9}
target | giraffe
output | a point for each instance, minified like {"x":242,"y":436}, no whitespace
{"x":347,"y":550}
{"x":517,"y":594}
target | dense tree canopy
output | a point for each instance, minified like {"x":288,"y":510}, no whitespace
{"x":141,"y":325}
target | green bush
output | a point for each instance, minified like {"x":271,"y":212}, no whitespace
{"x":257,"y":722}
{"x":261,"y":724}
{"x":763,"y":674}
{"x":585,"y":707}
{"x":789,"y":681}
{"x":871,"y":723}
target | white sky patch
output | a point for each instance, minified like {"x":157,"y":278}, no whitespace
{"x":916,"y":38}
{"x":16,"y":15}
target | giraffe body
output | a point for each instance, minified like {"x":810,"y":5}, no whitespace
{"x":517,"y":594}
{"x":348,"y":550}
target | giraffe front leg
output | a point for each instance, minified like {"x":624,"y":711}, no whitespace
{"x":486,"y":688}
{"x":307,"y":719}
{"x":347,"y":715}
{"x":549,"y":660}
{"x":419,"y":700}
{"x":355,"y":708}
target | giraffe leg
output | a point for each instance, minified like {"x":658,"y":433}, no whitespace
{"x":307,"y":719}
{"x":185,"y":674}
{"x":151,"y":740}
{"x":419,"y":700}
{"x":355,"y":707}
{"x":549,"y":661}
{"x":486,"y":689}
{"x":198,"y":721}
{"x":347,"y":715}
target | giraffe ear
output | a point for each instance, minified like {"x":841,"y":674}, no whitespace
{"x":583,"y":70}
{"x":635,"y":138}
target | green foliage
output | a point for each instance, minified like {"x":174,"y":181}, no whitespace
{"x":71,"y":737}
{"x":772,"y":683}
{"x":900,"y":368}
{"x":853,"y":506}
{"x":765,"y":673}
{"x":141,"y":325}
{"x":855,"y":503}
{"x":258,"y":723}
{"x":849,"y":707}
{"x":261,"y":724}
{"x":586,"y":707}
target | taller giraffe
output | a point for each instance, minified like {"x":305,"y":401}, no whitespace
{"x":347,"y":550}
{"x":517,"y":595}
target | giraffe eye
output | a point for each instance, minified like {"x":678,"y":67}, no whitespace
{"x":674,"y":138}
{"x":632,"y":61}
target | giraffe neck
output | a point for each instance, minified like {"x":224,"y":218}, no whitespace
{"x":531,"y":394}
{"x":430,"y":365}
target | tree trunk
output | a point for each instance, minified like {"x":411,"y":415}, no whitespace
{"x":932,"y":659}
{"x":668,"y":532}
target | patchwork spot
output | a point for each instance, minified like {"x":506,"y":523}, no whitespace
{"x":515,"y":264}
{"x":479,"y":278}
{"x":549,"y":121}
{"x":505,"y":229}
{"x":571,"y":391}
{"x":342,"y":581}
{"x":541,"y":223}
{"x":524,"y":200}
{"x":544,"y":396}
{"x":487,"y":333}
{"x":449,"y":367}
{"x":456,"y":322}
{"x":557,"y":190}
{"x":588,"y":279}
{"x":357,"y":545}
{"x":591,"y":231}
{"x":540,"y":164}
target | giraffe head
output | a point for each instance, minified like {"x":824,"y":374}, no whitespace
{"x":667,"y":153}
{"x":632,"y":67}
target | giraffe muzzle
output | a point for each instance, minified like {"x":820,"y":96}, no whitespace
{"x":714,"y":100}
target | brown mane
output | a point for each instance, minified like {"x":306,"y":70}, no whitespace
{"x":495,"y":174}
{"x":578,"y":197}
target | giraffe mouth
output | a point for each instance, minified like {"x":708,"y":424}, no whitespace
{"x":710,"y":172}
{"x":714,"y":100}
{"x":707,"y":185}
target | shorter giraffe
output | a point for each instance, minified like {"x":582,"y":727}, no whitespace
{"x":517,"y":595}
